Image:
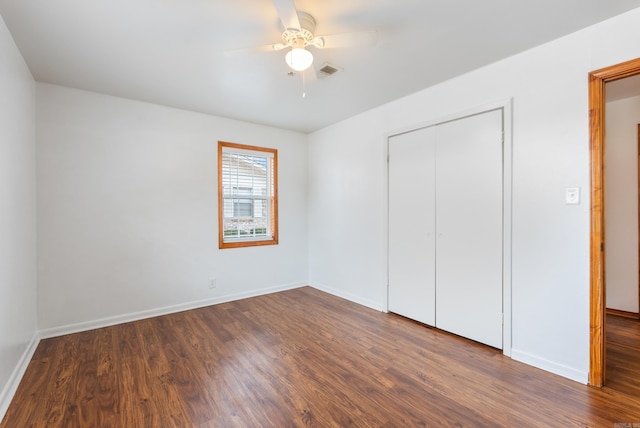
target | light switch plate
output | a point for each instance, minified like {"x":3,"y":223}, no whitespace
{"x":572,"y":195}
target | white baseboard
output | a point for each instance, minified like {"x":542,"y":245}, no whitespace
{"x":11,"y":386}
{"x":550,"y":366}
{"x":348,"y":296}
{"x":136,"y":316}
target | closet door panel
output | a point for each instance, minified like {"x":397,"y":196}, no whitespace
{"x":412,"y":225}
{"x":469,"y":227}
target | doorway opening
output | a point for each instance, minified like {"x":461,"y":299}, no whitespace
{"x":597,"y":333}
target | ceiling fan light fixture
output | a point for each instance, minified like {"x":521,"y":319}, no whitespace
{"x":299,"y":59}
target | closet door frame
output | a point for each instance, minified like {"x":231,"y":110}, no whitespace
{"x":505,"y":106}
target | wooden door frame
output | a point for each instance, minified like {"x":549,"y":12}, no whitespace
{"x":597,"y":81}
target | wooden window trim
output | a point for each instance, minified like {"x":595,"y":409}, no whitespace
{"x":273,"y":199}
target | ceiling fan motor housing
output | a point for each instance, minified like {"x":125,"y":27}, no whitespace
{"x":305,"y":32}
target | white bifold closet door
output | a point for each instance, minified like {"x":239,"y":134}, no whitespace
{"x":445,"y":226}
{"x":412,"y":221}
{"x":469,"y":227}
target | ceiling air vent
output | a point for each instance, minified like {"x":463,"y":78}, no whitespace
{"x":328,"y":70}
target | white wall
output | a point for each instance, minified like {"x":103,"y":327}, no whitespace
{"x":550,"y":257}
{"x":127,"y":211}
{"x":621,"y":203}
{"x":17,"y":216}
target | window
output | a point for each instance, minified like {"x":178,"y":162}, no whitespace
{"x":247,"y":195}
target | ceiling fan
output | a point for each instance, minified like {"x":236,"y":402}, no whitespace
{"x":299,"y":34}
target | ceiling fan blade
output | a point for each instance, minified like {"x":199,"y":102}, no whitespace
{"x":345,"y":40}
{"x":255,"y":49}
{"x":288,"y":14}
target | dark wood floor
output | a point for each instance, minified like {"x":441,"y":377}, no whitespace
{"x":623,"y":355}
{"x":296,"y":358}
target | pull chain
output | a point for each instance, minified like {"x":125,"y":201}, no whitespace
{"x":304,"y":92}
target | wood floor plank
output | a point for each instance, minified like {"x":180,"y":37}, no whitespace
{"x":623,"y":354}
{"x":81,"y":409}
{"x":48,"y":375}
{"x":164,"y":395}
{"x":303,"y":358}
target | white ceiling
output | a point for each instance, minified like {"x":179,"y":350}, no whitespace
{"x":171,"y":52}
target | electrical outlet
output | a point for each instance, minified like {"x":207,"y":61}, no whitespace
{"x":212,"y":283}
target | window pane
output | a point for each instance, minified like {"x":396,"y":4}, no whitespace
{"x":242,"y":208}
